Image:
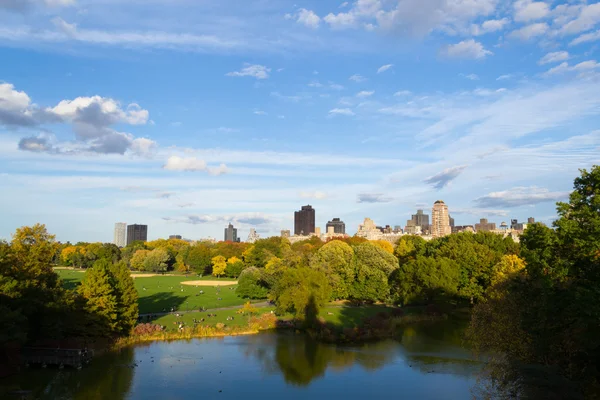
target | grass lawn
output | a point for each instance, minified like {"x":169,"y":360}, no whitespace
{"x":221,"y":316}
{"x":165,"y":291}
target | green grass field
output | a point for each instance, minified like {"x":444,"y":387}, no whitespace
{"x":158,"y":293}
{"x":221,"y":316}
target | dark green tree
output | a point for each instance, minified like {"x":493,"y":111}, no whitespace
{"x":127,"y":297}
{"x":302,"y":292}
{"x":98,"y":289}
{"x":251,"y":284}
{"x":335,"y":259}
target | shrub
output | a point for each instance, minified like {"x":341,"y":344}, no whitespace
{"x":147,"y":329}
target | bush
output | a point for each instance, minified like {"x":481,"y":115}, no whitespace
{"x":264,"y":321}
{"x":147,"y":329}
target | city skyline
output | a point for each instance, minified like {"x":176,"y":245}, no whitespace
{"x":191,"y":116}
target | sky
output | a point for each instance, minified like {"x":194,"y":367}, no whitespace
{"x":186,"y":115}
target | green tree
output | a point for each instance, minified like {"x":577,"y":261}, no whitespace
{"x":423,"y":279}
{"x":251,"y":284}
{"x":301,"y":291}
{"x":156,"y":260}
{"x":409,"y":247}
{"x":199,"y":258}
{"x":110,"y":252}
{"x":219,"y":264}
{"x":263,"y":250}
{"x":138,"y":259}
{"x":335,"y":259}
{"x":372,"y":266}
{"x":98,"y":289}
{"x":234,"y":268}
{"x":127,"y":297}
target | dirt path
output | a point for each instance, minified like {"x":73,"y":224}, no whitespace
{"x":209,"y":283}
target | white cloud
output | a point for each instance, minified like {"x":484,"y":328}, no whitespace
{"x":308,"y":18}
{"x":469,"y":49}
{"x":471,"y":77}
{"x":341,"y":111}
{"x":504,"y":77}
{"x":315,"y":84}
{"x":341,"y":20}
{"x":65,"y":27}
{"x":587,"y":37}
{"x":260,"y":112}
{"x":526,"y":10}
{"x":554,"y":57}
{"x":365,"y":93}
{"x":101,"y":110}
{"x":530,"y":31}
{"x":403,"y":93}
{"x":314,"y":195}
{"x":357,"y":78}
{"x":588,"y":17}
{"x":254,"y":70}
{"x":373,"y":198}
{"x":384,"y":68}
{"x":582,"y":67}
{"x":335,"y":86}
{"x":143,"y":146}
{"x":192,"y":164}
{"x":519,"y":196}
{"x":492,"y":25}
{"x":344,"y":4}
{"x":60,"y":3}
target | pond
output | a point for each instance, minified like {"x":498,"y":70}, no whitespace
{"x":426,"y":362}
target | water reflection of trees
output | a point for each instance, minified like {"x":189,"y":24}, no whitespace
{"x":107,"y":377}
{"x":301,"y":359}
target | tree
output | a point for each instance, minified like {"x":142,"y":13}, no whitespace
{"x":508,"y":266}
{"x":335,"y":259}
{"x":301,"y":291}
{"x":127,"y":297}
{"x":219,"y":264}
{"x":110,"y":252}
{"x":156,"y":260}
{"x":424,"y":278}
{"x":251,"y":284}
{"x":138,"y":259}
{"x":372,"y":266}
{"x":263,"y":250}
{"x":384,"y":245}
{"x":409,"y":247}
{"x":234,"y":268}
{"x":199,"y":258}
{"x":98,"y":289}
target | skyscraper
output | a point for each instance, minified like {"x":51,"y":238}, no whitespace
{"x":338,"y":226}
{"x":120,"y":237}
{"x":137,"y":232}
{"x":421,"y":219}
{"x":304,"y":221}
{"x":440,"y":221}
{"x":231,"y":234}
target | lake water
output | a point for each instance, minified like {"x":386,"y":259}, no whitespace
{"x":426,"y":362}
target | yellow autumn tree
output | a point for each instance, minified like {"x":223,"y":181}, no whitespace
{"x":506,"y":267}
{"x":385,"y":245}
{"x":219,"y":263}
{"x":137,"y":261}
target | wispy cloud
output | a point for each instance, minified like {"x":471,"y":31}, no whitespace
{"x":384,"y":68}
{"x":519,"y":196}
{"x":254,"y":70}
{"x":439,"y":181}
{"x":341,"y":111}
{"x":373,"y":198}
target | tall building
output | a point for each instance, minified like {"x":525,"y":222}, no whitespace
{"x":451,"y":221}
{"x":252,"y":236}
{"x":440,"y":220}
{"x":137,"y":232}
{"x":421,"y":219}
{"x":485,"y":226}
{"x":531,"y":220}
{"x":175,"y":237}
{"x":120,"y":238}
{"x":231,"y":234}
{"x":304,"y":221}
{"x":338,"y":226}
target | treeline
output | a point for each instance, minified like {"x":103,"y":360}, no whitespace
{"x":543,"y":319}
{"x":35,"y":308}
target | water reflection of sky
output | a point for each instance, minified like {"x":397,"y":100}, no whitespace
{"x":283,"y":366}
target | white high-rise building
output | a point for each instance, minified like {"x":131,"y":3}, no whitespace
{"x":120,"y":238}
{"x":252,"y":236}
{"x":440,"y":220}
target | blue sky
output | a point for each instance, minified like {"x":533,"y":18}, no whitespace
{"x":188,"y":114}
